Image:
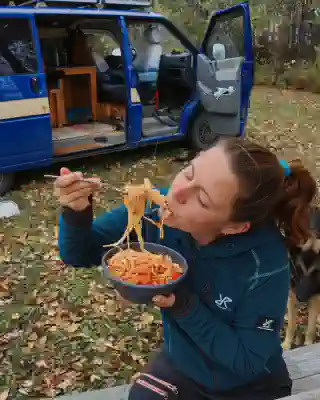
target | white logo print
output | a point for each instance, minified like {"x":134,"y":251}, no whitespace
{"x":222,"y":303}
{"x":267,"y":325}
{"x":223,"y":92}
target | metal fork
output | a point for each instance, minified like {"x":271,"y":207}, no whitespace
{"x":105,"y":184}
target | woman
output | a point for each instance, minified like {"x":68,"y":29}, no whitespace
{"x":222,"y":329}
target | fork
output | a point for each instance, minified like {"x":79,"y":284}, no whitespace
{"x":105,"y":184}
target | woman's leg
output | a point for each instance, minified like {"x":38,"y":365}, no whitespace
{"x":160,"y":380}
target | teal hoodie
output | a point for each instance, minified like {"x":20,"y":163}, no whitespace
{"x":224,"y":330}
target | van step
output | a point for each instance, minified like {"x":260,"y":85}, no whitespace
{"x":152,"y":127}
{"x":66,"y":149}
{"x":84,"y":137}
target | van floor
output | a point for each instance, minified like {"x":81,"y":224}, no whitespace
{"x":89,"y":136}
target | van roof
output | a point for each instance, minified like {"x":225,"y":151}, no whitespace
{"x":76,"y":12}
{"x":79,"y":3}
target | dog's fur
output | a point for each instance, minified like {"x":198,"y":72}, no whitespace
{"x":305,"y":262}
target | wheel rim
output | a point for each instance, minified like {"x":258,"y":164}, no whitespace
{"x":206,"y":136}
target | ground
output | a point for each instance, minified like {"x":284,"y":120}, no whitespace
{"x":60,"y":328}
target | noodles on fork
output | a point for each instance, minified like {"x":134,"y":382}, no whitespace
{"x":135,"y":199}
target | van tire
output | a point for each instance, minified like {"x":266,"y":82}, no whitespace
{"x":201,"y":135}
{"x":6,"y":182}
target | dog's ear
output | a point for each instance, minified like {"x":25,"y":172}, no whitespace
{"x":315,"y":220}
{"x":308,"y":245}
{"x":316,"y":245}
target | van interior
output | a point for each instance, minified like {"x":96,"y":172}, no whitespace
{"x":86,"y":83}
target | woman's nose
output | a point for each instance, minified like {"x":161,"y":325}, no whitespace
{"x":181,"y":195}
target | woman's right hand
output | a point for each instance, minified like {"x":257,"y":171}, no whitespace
{"x":72,"y":191}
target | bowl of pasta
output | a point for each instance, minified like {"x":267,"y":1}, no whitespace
{"x":140,"y":274}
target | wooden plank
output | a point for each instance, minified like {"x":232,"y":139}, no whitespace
{"x":304,"y":367}
{"x":73,"y":149}
{"x":310,"y":395}
{"x":116,"y":393}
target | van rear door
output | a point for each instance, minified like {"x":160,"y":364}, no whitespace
{"x":225,"y":70}
{"x":26,"y":136}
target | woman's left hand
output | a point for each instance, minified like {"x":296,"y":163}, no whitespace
{"x":164,"y":301}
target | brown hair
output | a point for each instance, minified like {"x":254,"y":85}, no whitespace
{"x":265,"y":191}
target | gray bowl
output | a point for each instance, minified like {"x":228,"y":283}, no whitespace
{"x":143,"y":294}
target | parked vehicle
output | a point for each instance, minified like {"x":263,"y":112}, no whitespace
{"x":79,"y":78}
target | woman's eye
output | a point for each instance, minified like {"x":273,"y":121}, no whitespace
{"x":203,"y":200}
{"x":203,"y":204}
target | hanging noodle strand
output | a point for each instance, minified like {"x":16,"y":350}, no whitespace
{"x":135,"y":199}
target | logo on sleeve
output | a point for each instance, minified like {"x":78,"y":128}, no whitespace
{"x":267,"y":324}
{"x":223,"y":302}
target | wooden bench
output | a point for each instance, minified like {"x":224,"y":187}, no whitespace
{"x":304,"y":367}
{"x":303,"y":364}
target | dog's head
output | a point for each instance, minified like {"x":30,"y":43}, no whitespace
{"x":305,"y":259}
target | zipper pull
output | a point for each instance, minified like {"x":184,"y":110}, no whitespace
{"x":173,"y":388}
{"x":152,"y":388}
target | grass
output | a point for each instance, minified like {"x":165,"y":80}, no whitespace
{"x":60,"y":328}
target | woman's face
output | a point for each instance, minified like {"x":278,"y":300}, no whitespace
{"x":202,"y":196}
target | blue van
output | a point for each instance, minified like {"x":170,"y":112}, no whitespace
{"x":86,"y":77}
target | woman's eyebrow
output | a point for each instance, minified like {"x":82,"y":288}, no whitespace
{"x":200,"y":186}
{"x":192,"y":167}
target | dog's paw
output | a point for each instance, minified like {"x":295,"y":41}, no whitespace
{"x":286,"y":345}
{"x":308,"y":341}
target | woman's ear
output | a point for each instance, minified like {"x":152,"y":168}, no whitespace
{"x":236,"y":228}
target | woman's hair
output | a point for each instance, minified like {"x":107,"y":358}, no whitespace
{"x":267,"y":193}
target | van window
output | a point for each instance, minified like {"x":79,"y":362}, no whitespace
{"x":102,"y":45}
{"x":17,"y":52}
{"x":150,"y":42}
{"x":226,"y":39}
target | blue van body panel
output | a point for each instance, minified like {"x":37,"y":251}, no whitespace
{"x":21,"y":150}
{"x":247,"y":68}
{"x":28,"y":138}
{"x":21,"y":153}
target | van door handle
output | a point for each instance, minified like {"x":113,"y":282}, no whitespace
{"x":34,"y":84}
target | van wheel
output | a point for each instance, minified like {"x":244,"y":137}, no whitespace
{"x":6,"y":182}
{"x":202,"y":134}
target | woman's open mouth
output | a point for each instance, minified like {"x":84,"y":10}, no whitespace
{"x":165,"y":212}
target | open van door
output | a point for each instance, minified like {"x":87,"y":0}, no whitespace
{"x":225,"y":72}
{"x":26,"y":136}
